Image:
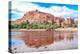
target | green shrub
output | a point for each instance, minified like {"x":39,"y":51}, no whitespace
{"x":27,"y":25}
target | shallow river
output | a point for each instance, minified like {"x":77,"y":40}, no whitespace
{"x":18,"y":45}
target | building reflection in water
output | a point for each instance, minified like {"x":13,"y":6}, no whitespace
{"x":39,"y":38}
{"x":61,"y":35}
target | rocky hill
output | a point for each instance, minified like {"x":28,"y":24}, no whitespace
{"x":36,"y":16}
{"x":41,"y":17}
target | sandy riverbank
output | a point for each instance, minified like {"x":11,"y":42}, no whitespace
{"x":67,"y":29}
{"x":58,"y":29}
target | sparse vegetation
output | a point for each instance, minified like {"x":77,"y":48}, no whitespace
{"x":27,"y":25}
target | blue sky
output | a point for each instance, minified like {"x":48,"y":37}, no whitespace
{"x":74,"y":7}
{"x":60,"y":10}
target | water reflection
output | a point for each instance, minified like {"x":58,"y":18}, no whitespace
{"x":37,"y":39}
{"x":61,"y":35}
{"x":60,"y":40}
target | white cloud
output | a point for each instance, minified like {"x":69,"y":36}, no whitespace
{"x":63,"y":11}
{"x":53,"y":1}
